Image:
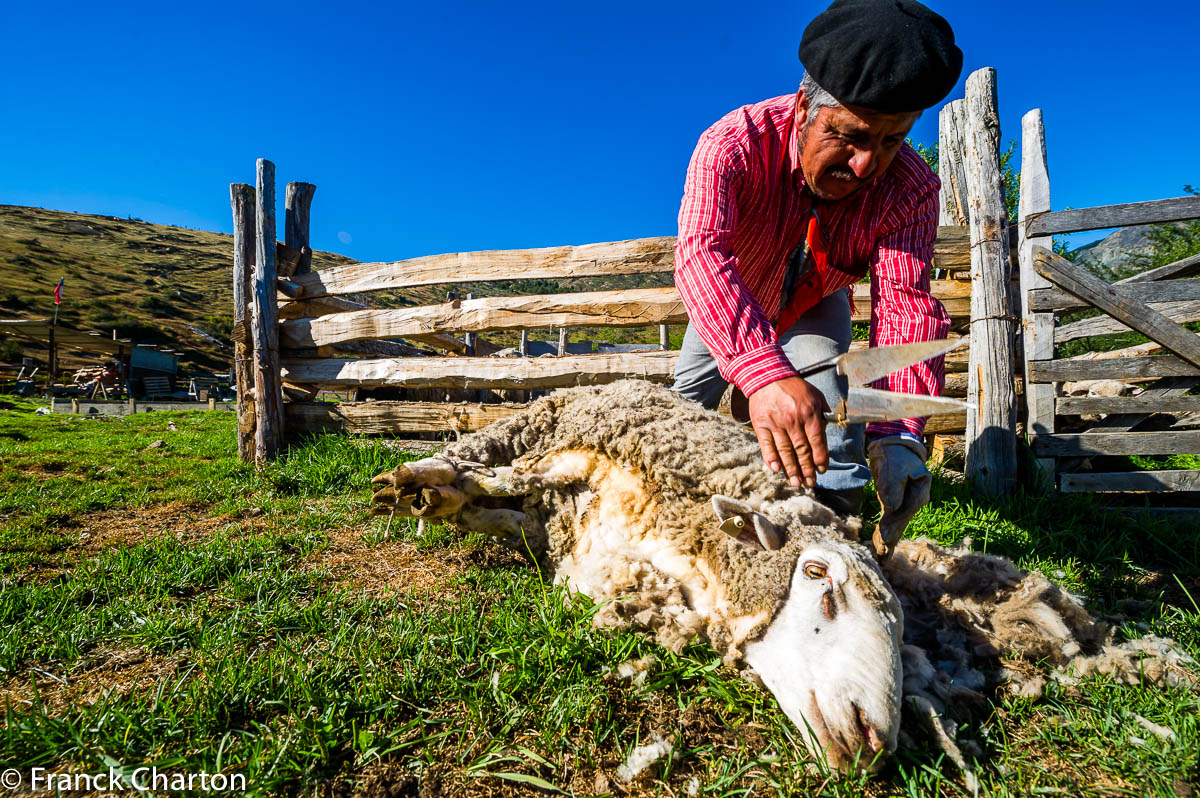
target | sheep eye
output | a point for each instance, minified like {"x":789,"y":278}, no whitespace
{"x":814,"y":570}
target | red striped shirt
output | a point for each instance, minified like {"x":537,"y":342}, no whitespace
{"x":745,"y":199}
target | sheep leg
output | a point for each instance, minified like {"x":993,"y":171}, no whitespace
{"x":439,"y":486}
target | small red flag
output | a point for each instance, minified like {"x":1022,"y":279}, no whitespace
{"x":58,"y":292}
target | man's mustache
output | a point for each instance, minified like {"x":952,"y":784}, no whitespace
{"x":843,"y":173}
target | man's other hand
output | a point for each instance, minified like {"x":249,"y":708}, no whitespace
{"x":789,"y":419}
{"x":902,"y":482}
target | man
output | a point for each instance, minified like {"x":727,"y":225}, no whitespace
{"x":789,"y":202}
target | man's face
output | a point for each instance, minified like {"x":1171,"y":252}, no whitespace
{"x":844,"y":148}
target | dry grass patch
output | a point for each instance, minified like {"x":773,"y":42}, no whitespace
{"x":110,"y":672}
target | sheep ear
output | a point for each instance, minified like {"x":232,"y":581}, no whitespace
{"x":741,"y":522}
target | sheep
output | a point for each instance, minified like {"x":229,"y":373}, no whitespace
{"x":663,"y":513}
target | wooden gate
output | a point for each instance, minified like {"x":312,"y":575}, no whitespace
{"x":1155,"y":303}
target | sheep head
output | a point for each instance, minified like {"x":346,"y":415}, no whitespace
{"x":831,"y":653}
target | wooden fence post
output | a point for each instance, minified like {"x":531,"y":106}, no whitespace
{"x":952,"y":148}
{"x":241,"y":198}
{"x":268,"y":387}
{"x":991,"y":428}
{"x":664,"y":337}
{"x":1038,"y":327}
{"x":297,"y":203}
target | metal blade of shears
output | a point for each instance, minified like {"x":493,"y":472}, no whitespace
{"x":864,"y":366}
{"x":863,"y":405}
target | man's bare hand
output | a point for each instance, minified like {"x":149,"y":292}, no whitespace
{"x":789,"y":419}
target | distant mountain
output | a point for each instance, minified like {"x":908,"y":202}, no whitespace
{"x":1115,"y":249}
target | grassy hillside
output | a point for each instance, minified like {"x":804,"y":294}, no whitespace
{"x":173,"y":286}
{"x":150,"y":282}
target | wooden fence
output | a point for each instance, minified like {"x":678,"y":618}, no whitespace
{"x":1153,"y":303}
{"x":311,"y":336}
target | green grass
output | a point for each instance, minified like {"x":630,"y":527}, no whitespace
{"x":253,"y":622}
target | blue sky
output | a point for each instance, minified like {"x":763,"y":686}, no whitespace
{"x":442,"y":127}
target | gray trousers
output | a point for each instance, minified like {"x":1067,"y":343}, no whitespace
{"x":820,"y":333}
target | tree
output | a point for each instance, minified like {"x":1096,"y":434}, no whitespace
{"x":1170,"y":242}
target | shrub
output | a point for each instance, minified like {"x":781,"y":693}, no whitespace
{"x":10,"y":350}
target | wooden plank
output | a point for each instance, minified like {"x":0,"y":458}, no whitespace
{"x":1165,"y":389}
{"x":628,"y":308}
{"x":637,"y":256}
{"x":1052,"y":299}
{"x":1037,"y":328}
{"x":374,"y":418}
{"x":1131,"y":482}
{"x":298,"y":205}
{"x":1077,"y":220}
{"x":991,"y":444}
{"x":1180,"y":268}
{"x":1078,"y":405}
{"x":241,"y":199}
{"x":264,"y":321}
{"x":479,"y":372}
{"x":948,"y":423}
{"x":952,"y":123}
{"x":1115,"y":443}
{"x":306,"y":326}
{"x":952,"y":249}
{"x":288,"y":288}
{"x":1145,"y":320}
{"x":1132,"y":368}
{"x":1181,"y":312}
{"x":320,"y":306}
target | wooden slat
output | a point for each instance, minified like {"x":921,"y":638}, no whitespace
{"x":311,"y":308}
{"x":1051,"y":299}
{"x":1104,"y":216}
{"x":489,"y":373}
{"x":1182,"y":312}
{"x":349,"y":321}
{"x":1180,"y":268}
{"x":1132,"y":368}
{"x":1131,"y":482}
{"x":1166,"y":388}
{"x":1078,"y":405}
{"x":1115,"y":443}
{"x":627,"y":308}
{"x":373,"y":418}
{"x":637,"y":256}
{"x":1096,"y":292}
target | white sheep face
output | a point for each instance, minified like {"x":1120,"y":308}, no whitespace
{"x":831,"y":656}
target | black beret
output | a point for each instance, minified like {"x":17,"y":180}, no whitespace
{"x":885,"y":55}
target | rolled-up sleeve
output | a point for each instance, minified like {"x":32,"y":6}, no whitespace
{"x":726,"y":315}
{"x":903,"y":309}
